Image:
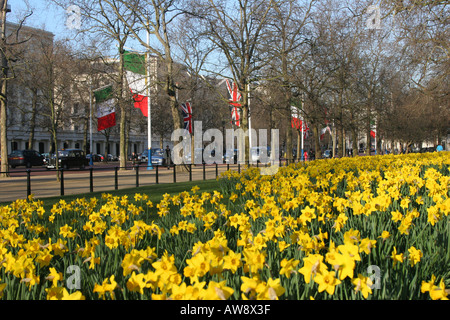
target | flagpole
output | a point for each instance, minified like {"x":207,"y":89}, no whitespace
{"x":302,"y":139}
{"x":91,"y":160}
{"x":249,"y":121}
{"x":301,"y":117}
{"x":149,"y":125}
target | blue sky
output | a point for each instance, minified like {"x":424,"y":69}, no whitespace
{"x":45,"y":16}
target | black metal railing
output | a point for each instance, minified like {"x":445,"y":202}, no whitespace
{"x":136,"y":168}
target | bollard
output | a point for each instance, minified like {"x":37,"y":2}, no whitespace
{"x":137,"y":175}
{"x":28,"y":182}
{"x":190,"y":171}
{"x":174,"y":173}
{"x":61,"y":181}
{"x":91,"y":179}
{"x":217,"y":170}
{"x":116,"y":178}
{"x":204,"y":172}
{"x":157,"y":177}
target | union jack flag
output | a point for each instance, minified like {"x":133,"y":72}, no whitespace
{"x":235,"y":96}
{"x":186,"y":110}
{"x":235,"y":116}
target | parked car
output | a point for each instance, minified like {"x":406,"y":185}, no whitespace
{"x":95,"y":157}
{"x":46,"y":156}
{"x":415,"y":149}
{"x":230,"y":156}
{"x":428,"y":149}
{"x":111,"y":157}
{"x":142,"y":157}
{"x":198,"y":154}
{"x":158,"y":157}
{"x":327,"y":154}
{"x":256,"y":153}
{"x":69,"y":158}
{"x":27,"y":158}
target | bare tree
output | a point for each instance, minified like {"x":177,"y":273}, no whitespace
{"x":110,"y":21}
{"x":57,"y":64}
{"x":235,"y":29}
{"x":286,"y":53}
{"x":7,"y":42}
{"x":28,"y":74}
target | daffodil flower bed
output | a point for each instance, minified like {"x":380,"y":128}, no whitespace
{"x":311,"y":231}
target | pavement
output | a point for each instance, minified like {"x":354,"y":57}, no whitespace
{"x":44,"y":183}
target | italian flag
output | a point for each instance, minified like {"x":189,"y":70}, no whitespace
{"x":106,"y":113}
{"x":136,"y":74}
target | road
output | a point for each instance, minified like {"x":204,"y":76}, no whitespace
{"x":43,"y":182}
{"x":21,"y":171}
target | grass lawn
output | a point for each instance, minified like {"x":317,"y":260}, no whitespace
{"x":155,"y":192}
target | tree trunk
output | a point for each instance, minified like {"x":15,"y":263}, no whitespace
{"x":334,"y":137}
{"x":289,"y":156}
{"x":33,"y":119}
{"x":171,"y":92}
{"x":354,"y":142}
{"x":123,"y":114}
{"x":4,"y":140}
{"x":317,"y":141}
{"x":4,"y":168}
{"x":85,"y":134}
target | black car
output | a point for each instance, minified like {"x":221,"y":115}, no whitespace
{"x":95,"y":157}
{"x":27,"y":158}
{"x":69,"y":158}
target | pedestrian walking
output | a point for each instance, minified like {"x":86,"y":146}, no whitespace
{"x":134,"y":159}
{"x":167,"y":153}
